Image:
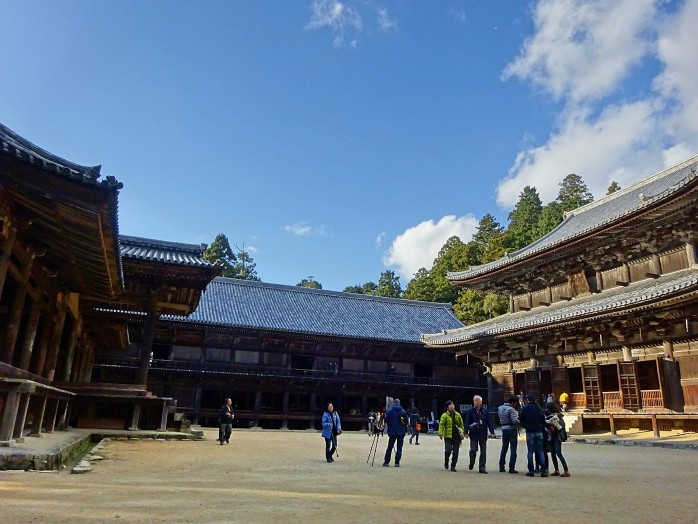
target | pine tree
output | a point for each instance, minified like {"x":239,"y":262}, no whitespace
{"x":573,"y":193}
{"x":221,"y":254}
{"x":487,"y":231}
{"x":615,"y":186}
{"x":389,"y":285}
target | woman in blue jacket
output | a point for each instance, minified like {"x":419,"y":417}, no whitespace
{"x":331,"y":427}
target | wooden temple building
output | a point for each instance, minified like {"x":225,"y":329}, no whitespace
{"x":282,"y":352}
{"x":604,"y":307}
{"x":109,"y":331}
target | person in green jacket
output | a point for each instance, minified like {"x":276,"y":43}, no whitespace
{"x":451,"y":431}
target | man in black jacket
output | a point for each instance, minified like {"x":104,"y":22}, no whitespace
{"x":477,"y":422}
{"x":225,"y":421}
{"x":533,"y":420}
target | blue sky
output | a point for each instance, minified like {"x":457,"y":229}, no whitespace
{"x":342,"y":138}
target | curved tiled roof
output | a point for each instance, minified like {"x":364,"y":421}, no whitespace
{"x":257,"y":305}
{"x":161,"y":251}
{"x":645,"y":292}
{"x":596,"y":215}
{"x":18,"y":147}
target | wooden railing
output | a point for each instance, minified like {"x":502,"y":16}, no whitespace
{"x":578,"y":400}
{"x":612,"y":400}
{"x":652,"y":398}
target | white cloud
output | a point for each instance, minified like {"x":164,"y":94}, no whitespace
{"x":379,"y":240}
{"x":576,"y":56}
{"x":418,"y":246}
{"x":613,"y":146}
{"x":385,"y":22}
{"x":582,"y":50}
{"x":251,"y":249}
{"x":344,"y":19}
{"x":301,"y":229}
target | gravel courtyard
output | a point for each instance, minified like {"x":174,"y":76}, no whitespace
{"x":275,"y":476}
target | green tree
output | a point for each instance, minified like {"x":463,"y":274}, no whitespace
{"x":469,"y":306}
{"x":389,"y":285}
{"x":615,"y":186}
{"x":495,"y":305}
{"x":454,"y":255}
{"x":550,"y":217}
{"x":573,"y":193}
{"x":244,"y":267}
{"x":310,"y":282}
{"x":523,"y":219}
{"x":421,"y":287}
{"x":369,"y":288}
{"x":221,"y":254}
{"x":488,"y":230}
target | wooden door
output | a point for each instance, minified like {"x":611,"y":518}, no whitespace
{"x":627,"y":379}
{"x":592,"y":386}
{"x":560,"y":382}
{"x":508,"y":385}
{"x":532,"y":382}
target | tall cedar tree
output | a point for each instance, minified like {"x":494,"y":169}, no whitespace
{"x":221,"y":254}
{"x":389,"y":285}
{"x":488,"y":230}
{"x":523,"y":219}
{"x":245,"y":267}
{"x":573,"y":193}
{"x":369,"y":288}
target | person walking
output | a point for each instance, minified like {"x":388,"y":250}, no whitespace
{"x":533,"y":421}
{"x":415,"y":425}
{"x":558,"y":434}
{"x":564,"y":399}
{"x":478,"y":421}
{"x":225,"y":422}
{"x":509,"y":419}
{"x":396,"y":420}
{"x":331,"y":427}
{"x":451,"y":431}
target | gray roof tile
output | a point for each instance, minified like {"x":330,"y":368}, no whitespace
{"x":596,"y":215}
{"x":161,"y":251}
{"x":257,"y":305}
{"x":616,"y":299}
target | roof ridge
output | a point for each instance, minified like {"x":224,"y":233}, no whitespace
{"x":632,"y":187}
{"x":133,"y":241}
{"x":301,"y":289}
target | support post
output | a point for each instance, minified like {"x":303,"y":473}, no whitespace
{"x":21,"y":417}
{"x":313,"y":407}
{"x":52,"y":415}
{"x":163,"y":416}
{"x":613,"y":425}
{"x":38,"y":417}
{"x":9,"y":417}
{"x":257,"y":406}
{"x":284,"y":409}
{"x":136,"y":417}
{"x":147,"y":342}
{"x":655,"y":426}
{"x":15,"y":318}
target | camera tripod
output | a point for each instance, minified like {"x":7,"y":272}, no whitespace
{"x":378,"y":429}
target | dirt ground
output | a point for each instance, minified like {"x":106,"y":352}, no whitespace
{"x":275,"y":476}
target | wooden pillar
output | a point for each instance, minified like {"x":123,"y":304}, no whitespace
{"x":86,"y":375}
{"x":691,"y":252}
{"x":70,"y":354}
{"x":21,"y":416}
{"x":147,"y":342}
{"x":364,"y":412}
{"x":37,"y":367}
{"x":52,"y":415}
{"x":656,"y":264}
{"x":668,"y":347}
{"x":591,"y":357}
{"x":313,"y":407}
{"x":197,"y":404}
{"x":32,"y":326}
{"x":284,"y":409}
{"x":599,"y":281}
{"x":136,"y":416}
{"x":6,"y":247}
{"x":63,"y":410}
{"x":9,"y":417}
{"x":655,"y":426}
{"x":627,"y":354}
{"x":38,"y":416}
{"x":15,"y":317}
{"x":613,"y":425}
{"x":257,"y":406}
{"x":56,"y":336}
{"x":163,"y":416}
{"x":511,"y":303}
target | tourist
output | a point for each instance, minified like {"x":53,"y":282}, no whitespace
{"x":451,"y":431}
{"x":564,"y":399}
{"x":558,"y":434}
{"x":371,"y":421}
{"x":396,"y":420}
{"x":509,"y":419}
{"x":225,"y":422}
{"x":415,"y":425}
{"x":478,"y":421}
{"x":533,"y":421}
{"x":331,"y":427}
